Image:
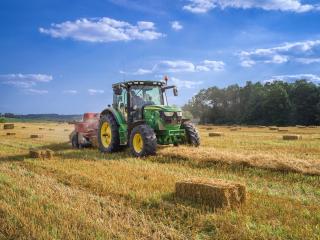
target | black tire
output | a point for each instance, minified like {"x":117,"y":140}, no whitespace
{"x":192,"y":134}
{"x":149,"y":141}
{"x":115,"y":138}
{"x":74,"y":141}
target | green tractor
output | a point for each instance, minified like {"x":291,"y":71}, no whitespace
{"x":141,"y":119}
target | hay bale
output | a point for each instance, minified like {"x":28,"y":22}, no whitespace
{"x":51,"y":129}
{"x":283,"y":130}
{"x":261,"y":127}
{"x":8,"y":126}
{"x":23,"y":127}
{"x":41,"y":128}
{"x":35,"y":136}
{"x":66,"y":130}
{"x":291,"y":137}
{"x":212,"y":192}
{"x":35,"y":153}
{"x":11,"y":134}
{"x":209,"y":128}
{"x":40,"y":153}
{"x":49,"y":153}
{"x":235,"y":129}
{"x":273,"y":128}
{"x":215,"y":134}
{"x":300,"y":126}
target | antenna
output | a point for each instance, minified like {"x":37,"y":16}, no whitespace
{"x":166,"y":79}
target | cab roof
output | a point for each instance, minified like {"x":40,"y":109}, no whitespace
{"x":127,"y":84}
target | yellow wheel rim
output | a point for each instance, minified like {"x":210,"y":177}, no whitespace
{"x":105,"y":134}
{"x":137,"y":142}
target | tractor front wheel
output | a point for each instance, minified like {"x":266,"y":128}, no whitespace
{"x":143,"y":141}
{"x":108,"y":135}
{"x":192,"y":134}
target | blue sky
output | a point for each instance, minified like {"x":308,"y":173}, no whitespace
{"x":62,"y":56}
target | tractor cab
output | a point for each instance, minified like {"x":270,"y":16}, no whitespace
{"x":141,"y":118}
{"x":131,"y":98}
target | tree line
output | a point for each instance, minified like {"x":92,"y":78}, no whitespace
{"x":275,"y":103}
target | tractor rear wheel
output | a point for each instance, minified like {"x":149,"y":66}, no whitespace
{"x":143,"y":141}
{"x":192,"y":134}
{"x":108,"y":134}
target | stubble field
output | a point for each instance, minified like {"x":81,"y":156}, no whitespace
{"x":83,"y":194}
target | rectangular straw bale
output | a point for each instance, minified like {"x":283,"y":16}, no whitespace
{"x":212,"y":192}
{"x":300,"y":126}
{"x":283,"y":130}
{"x":48,"y":153}
{"x":291,"y":137}
{"x":11,"y":134}
{"x":35,"y":136}
{"x":8,"y":126}
{"x":215,"y":134}
{"x":235,"y":129}
{"x":273,"y":128}
{"x":209,"y":128}
{"x":41,"y":153}
{"x":35,"y":153}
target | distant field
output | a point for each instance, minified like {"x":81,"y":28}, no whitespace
{"x":83,"y":194}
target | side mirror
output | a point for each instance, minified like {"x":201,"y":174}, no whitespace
{"x":175,"y":91}
{"x":117,"y":91}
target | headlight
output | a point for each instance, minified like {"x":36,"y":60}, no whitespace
{"x":168,"y":114}
{"x":179,"y":114}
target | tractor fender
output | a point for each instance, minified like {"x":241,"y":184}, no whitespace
{"x":136,"y":123}
{"x":114,"y":113}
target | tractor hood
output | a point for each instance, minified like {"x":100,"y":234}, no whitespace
{"x":163,"y":108}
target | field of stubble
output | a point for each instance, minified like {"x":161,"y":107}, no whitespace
{"x":83,"y":194}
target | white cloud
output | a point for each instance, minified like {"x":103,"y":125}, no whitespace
{"x":36,"y":91}
{"x":203,"y":6}
{"x":209,"y":65}
{"x":140,"y":71}
{"x":174,"y":66}
{"x":103,"y":30}
{"x":72,"y":92}
{"x":175,"y":25}
{"x":178,"y":66}
{"x":305,"y":52}
{"x":293,"y":78}
{"x":93,"y":92}
{"x":26,"y":81}
{"x":184,"y":83}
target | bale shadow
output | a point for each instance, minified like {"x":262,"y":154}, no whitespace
{"x":15,"y":158}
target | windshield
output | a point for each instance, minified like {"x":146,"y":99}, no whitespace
{"x":146,"y":95}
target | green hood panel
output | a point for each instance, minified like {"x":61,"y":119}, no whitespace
{"x":163,"y":108}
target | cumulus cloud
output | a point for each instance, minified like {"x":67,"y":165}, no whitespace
{"x":71,"y":91}
{"x":26,"y":81}
{"x":203,"y":6}
{"x":305,"y":52}
{"x":178,"y":66}
{"x":175,"y":25}
{"x":103,"y":30}
{"x":295,"y":77}
{"x":93,"y":92}
{"x":184,"y":83}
